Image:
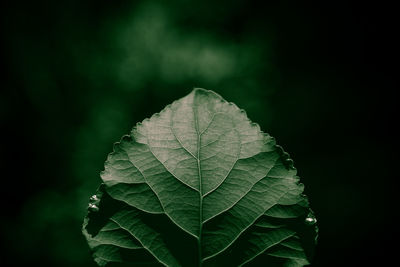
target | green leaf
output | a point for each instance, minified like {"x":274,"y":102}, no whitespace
{"x":199,"y":185}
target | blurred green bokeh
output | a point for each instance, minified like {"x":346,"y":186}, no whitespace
{"x":78,"y":75}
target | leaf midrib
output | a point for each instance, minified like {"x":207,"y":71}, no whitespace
{"x":199,"y":239}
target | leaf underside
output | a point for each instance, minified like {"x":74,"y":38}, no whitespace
{"x":199,"y":185}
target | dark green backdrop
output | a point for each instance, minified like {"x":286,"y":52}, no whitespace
{"x":77,"y":75}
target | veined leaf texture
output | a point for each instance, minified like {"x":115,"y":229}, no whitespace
{"x":199,"y":184}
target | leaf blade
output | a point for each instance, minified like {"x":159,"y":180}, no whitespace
{"x":213,"y":177}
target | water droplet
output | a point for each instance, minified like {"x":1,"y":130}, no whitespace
{"x":93,"y":207}
{"x":310,"y":220}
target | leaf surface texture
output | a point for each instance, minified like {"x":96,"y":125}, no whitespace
{"x":199,"y":184}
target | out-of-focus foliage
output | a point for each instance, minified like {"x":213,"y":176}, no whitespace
{"x":76,"y":75}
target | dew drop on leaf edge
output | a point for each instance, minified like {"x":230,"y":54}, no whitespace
{"x":94,"y":198}
{"x":310,"y":220}
{"x":93,"y":207}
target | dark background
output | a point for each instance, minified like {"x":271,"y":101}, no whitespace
{"x":77,"y":75}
